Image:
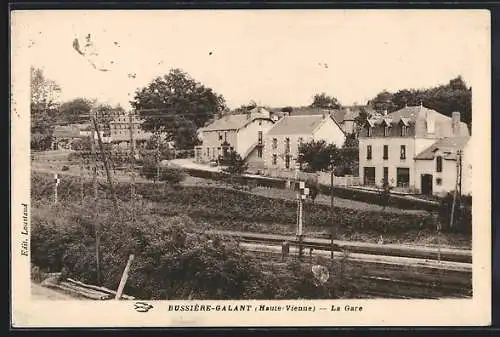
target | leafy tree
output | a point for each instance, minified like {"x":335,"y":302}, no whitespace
{"x":318,"y":155}
{"x":235,"y":164}
{"x":453,"y":96}
{"x":43,"y":107}
{"x":324,"y":101}
{"x":348,"y":162}
{"x":383,"y":102}
{"x":288,"y":109}
{"x":75,"y":111}
{"x":178,"y":105}
{"x":361,"y":119}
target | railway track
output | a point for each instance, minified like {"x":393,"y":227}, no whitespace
{"x":390,"y":278}
{"x":391,"y":250}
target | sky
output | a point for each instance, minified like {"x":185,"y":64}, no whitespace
{"x":275,"y":58}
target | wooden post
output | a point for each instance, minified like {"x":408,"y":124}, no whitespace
{"x":455,"y":193}
{"x":124,"y":278}
{"x":105,"y":162}
{"x":82,"y":181}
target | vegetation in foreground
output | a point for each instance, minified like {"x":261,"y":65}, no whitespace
{"x":171,"y":262}
{"x":228,"y":209}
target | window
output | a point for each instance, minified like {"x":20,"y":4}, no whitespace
{"x":287,"y":161}
{"x":368,"y":152}
{"x":403,"y":130}
{"x":275,"y":143}
{"x":220,"y":136}
{"x":260,"y":137}
{"x":439,"y":164}
{"x":403,"y":152}
{"x":369,"y":131}
{"x":259,"y":151}
{"x":386,"y":151}
{"x":287,"y":145}
{"x":275,"y":159}
{"x":300,"y":141}
{"x":439,"y":181}
{"x":260,"y":123}
{"x":225,"y":136}
{"x":386,"y":131}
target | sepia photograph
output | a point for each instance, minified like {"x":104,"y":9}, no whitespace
{"x":214,"y":167}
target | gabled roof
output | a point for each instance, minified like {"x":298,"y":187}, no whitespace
{"x":229,"y":122}
{"x":296,"y":124}
{"x":447,"y":146}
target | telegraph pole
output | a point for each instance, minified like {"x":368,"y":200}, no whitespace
{"x":132,"y":166}
{"x":157,"y":155}
{"x":456,"y":188}
{"x":332,"y":229}
{"x":105,"y":162}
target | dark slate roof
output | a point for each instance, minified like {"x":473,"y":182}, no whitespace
{"x":296,"y":124}
{"x":447,"y":146}
{"x":229,"y":122}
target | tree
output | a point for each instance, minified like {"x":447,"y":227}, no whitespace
{"x":178,"y":105}
{"x":75,"y":111}
{"x":43,"y":106}
{"x":318,"y":155}
{"x":324,"y":101}
{"x":383,"y":102}
{"x":288,"y":109}
{"x":454,"y":96}
{"x":361,"y":119}
{"x":235,"y":164}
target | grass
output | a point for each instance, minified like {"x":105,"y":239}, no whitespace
{"x":222,"y":207}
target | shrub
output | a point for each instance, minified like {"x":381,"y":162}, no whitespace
{"x":171,"y":175}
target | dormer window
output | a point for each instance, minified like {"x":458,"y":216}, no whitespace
{"x":386,"y":131}
{"x":369,"y":131}
{"x":403,"y":130}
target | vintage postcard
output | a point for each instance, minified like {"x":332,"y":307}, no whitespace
{"x":177,"y":168}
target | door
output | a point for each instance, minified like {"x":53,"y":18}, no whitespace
{"x":426,"y":182}
{"x":369,"y":176}
{"x":386,"y":175}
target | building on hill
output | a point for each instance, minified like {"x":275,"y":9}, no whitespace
{"x":284,"y":138}
{"x":407,"y":148}
{"x":242,"y":133}
{"x":120,"y":131}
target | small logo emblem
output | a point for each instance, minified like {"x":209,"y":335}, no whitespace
{"x":142,"y":307}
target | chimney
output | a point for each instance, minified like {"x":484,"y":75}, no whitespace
{"x":455,"y":123}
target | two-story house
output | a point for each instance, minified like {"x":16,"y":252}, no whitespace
{"x":389,"y":145}
{"x":120,"y":130}
{"x":283,"y":140}
{"x":242,"y":133}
